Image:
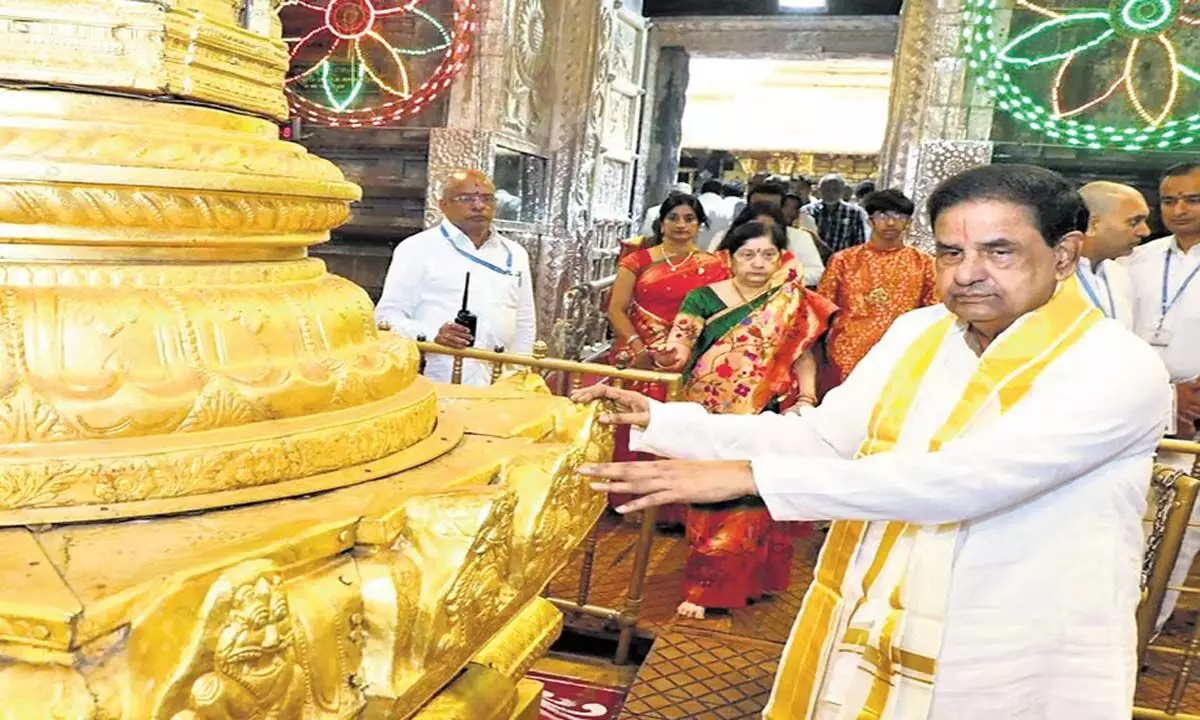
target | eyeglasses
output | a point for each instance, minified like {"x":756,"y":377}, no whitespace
{"x":768,"y":254}
{"x":890,"y":217}
{"x":472,"y":198}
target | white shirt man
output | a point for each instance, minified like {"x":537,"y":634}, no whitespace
{"x":1108,"y":286}
{"x":717,"y":212}
{"x":1116,"y":224}
{"x":423,"y":291}
{"x":1167,"y":315}
{"x":1161,"y":269}
{"x":1177,"y":341}
{"x":986,"y":549}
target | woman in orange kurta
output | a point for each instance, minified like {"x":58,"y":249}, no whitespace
{"x":873,"y":284}
{"x":743,"y":345}
{"x":652,"y":281}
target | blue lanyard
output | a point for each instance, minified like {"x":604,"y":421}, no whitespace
{"x":1111,"y":310}
{"x":506,"y":270}
{"x":1166,"y":306}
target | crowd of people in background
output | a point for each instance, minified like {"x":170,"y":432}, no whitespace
{"x":766,"y":297}
{"x":849,"y":246}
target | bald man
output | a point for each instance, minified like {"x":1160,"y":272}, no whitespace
{"x":424,"y":287}
{"x":1116,"y":226}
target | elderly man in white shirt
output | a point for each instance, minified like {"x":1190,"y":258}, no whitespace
{"x":1116,"y":225}
{"x":1167,"y":315}
{"x":423,"y":292}
{"x":987,"y":498}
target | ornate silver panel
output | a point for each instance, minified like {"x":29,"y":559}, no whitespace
{"x":936,"y":161}
{"x":451,"y":149}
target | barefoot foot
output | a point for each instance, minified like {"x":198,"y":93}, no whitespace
{"x":690,"y":610}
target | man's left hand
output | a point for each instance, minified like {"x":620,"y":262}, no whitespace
{"x":673,"y":481}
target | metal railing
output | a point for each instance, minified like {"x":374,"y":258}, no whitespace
{"x":583,"y":329}
{"x":571,"y":374}
{"x":1174,"y":497}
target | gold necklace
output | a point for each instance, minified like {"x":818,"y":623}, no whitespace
{"x":746,"y":300}
{"x":681,"y":263}
{"x":878,"y":294}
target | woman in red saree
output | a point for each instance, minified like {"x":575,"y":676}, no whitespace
{"x":652,"y":280}
{"x":743,"y":345}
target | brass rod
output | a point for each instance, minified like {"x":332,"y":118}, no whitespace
{"x":497,"y":367}
{"x":1184,"y":674}
{"x":1142,"y":713}
{"x":593,"y":610}
{"x":456,"y":371}
{"x":1166,"y":650}
{"x":555,"y":364}
{"x":1172,"y":540}
{"x":1187,"y":447}
{"x":637,"y":584}
{"x":585,"y":568}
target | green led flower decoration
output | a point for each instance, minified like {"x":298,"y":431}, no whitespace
{"x":1122,"y":76}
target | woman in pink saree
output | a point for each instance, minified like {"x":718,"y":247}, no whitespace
{"x":743,"y":346}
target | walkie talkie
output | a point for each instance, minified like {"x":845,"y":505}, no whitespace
{"x":465,"y":317}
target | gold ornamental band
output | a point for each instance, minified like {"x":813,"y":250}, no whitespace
{"x":73,"y":484}
{"x":179,"y":49}
{"x":97,"y":246}
{"x":54,"y":126}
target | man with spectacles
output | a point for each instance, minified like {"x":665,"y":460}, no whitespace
{"x":873,"y":284}
{"x":1167,"y":315}
{"x":423,"y":292}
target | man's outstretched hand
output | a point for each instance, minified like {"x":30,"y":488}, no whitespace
{"x":631,"y":408}
{"x":673,"y":481}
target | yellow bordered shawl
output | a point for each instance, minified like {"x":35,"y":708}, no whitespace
{"x":894,"y":620}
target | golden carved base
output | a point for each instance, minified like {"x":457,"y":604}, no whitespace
{"x":359,"y":602}
{"x":333,"y":543}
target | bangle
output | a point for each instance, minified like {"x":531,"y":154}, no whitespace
{"x":806,"y":399}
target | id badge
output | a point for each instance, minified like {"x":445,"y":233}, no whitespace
{"x":1161,"y":337}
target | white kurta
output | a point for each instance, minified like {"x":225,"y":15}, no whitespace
{"x":1182,"y":321}
{"x":1044,"y":586}
{"x":1181,"y":356}
{"x":424,"y":288}
{"x":719,"y":218}
{"x":1111,"y":289}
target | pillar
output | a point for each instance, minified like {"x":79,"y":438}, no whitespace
{"x":666,"y":130}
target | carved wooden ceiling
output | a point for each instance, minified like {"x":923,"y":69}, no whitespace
{"x":664,"y":8}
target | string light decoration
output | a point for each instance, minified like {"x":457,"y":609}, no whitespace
{"x":1127,"y":34}
{"x":361,"y":77}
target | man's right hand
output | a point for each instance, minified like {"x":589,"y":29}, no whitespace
{"x":454,"y":335}
{"x":631,"y":408}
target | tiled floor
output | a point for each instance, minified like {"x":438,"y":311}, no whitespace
{"x":696,"y":674}
{"x":766,"y":620}
{"x":745,"y":644}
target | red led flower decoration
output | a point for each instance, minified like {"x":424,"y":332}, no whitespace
{"x":349,"y":69}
